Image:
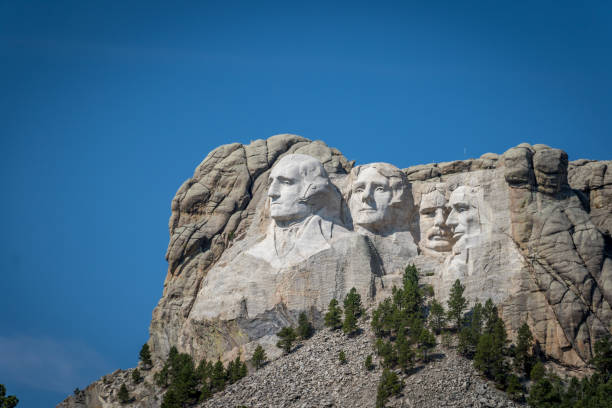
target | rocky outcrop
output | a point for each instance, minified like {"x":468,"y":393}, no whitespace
{"x":264,"y":231}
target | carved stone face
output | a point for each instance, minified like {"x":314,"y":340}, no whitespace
{"x":464,"y":217}
{"x":371,"y":195}
{"x":286,"y":187}
{"x":435,"y":233}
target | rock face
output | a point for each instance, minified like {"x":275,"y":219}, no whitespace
{"x":265,"y":231}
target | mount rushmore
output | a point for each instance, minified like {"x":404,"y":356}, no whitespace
{"x":264,"y":231}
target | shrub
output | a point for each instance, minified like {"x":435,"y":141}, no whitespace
{"x":259,"y":357}
{"x":333,"y":318}
{"x":368,"y":364}
{"x":287,"y":336}
{"x":123,"y":395}
{"x":388,"y":386}
{"x":305,"y":329}
{"x":342,"y":357}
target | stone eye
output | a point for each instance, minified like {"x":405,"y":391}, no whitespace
{"x":380,"y":189}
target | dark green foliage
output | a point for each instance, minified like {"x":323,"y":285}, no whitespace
{"x":342,"y":357}
{"x":489,"y":357}
{"x":368,"y":364}
{"x":403,"y":351}
{"x":470,"y":334}
{"x":10,"y":401}
{"x":287,"y":336}
{"x":437,"y":316}
{"x":350,"y":322}
{"x":217,"y":378}
{"x":333,"y":317}
{"x":183,"y":381}
{"x":145,"y":356}
{"x":514,"y":388}
{"x":523,"y":360}
{"x":602,"y":360}
{"x":388,"y":386}
{"x":161,"y":378}
{"x":305,"y":329}
{"x":426,"y":342}
{"x":456,"y":304}
{"x":123,"y":395}
{"x":352,"y":301}
{"x":544,"y":394}
{"x":236,"y":370}
{"x":136,"y":377}
{"x":259,"y":357}
{"x":386,"y":350}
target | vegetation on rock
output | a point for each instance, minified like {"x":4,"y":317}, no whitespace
{"x":287,"y":336}
{"x":305,"y":329}
{"x":333,"y":317}
{"x":145,"y":356}
{"x":10,"y":401}
{"x":259,"y":357}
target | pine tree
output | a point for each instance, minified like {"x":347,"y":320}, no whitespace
{"x":350,"y":321}
{"x":388,"y":385}
{"x":217,"y":381}
{"x":287,"y":336}
{"x":514,"y":388}
{"x":427,"y":341}
{"x":123,"y":395}
{"x":602,"y":360}
{"x":342,"y":357}
{"x":386,"y":350}
{"x":456,"y":304}
{"x":259,"y":357}
{"x":243,"y":370}
{"x":145,"y":356}
{"x":522,"y":357}
{"x":333,"y":318}
{"x":368,"y":364}
{"x":352,"y":301}
{"x":437,"y":316}
{"x":305,"y":329}
{"x":136,"y":377}
{"x":10,"y":401}
{"x":405,"y":355}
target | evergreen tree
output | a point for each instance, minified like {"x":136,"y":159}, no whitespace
{"x":350,"y":321}
{"x":456,"y":304}
{"x":427,"y":341}
{"x":522,"y":352}
{"x":123,"y":395}
{"x":259,"y":357}
{"x":243,"y":370}
{"x":388,"y":385}
{"x":204,"y":370}
{"x":405,"y":355}
{"x":514,"y":388}
{"x":161,"y":378}
{"x":333,"y":317}
{"x":217,"y":380}
{"x":342,"y":357}
{"x":205,"y":391}
{"x":602,"y":360}
{"x":470,"y":334}
{"x":287,"y":336}
{"x":437,"y":316}
{"x":386,"y":350}
{"x":305,"y":329}
{"x":136,"y":377}
{"x":368,"y":364}
{"x":352,"y":301}
{"x":10,"y":401}
{"x":145,"y":356}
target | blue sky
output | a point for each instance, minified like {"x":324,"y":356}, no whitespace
{"x":106,"y":108}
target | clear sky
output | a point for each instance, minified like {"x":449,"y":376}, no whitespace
{"x":107,"y":107}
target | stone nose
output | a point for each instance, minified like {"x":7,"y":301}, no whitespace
{"x":451,"y":221}
{"x":273,"y":190}
{"x":366,"y":196}
{"x":439,"y":217}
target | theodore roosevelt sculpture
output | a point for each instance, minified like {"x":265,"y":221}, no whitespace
{"x":436,"y":237}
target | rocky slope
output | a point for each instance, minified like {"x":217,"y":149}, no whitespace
{"x":264,"y":231}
